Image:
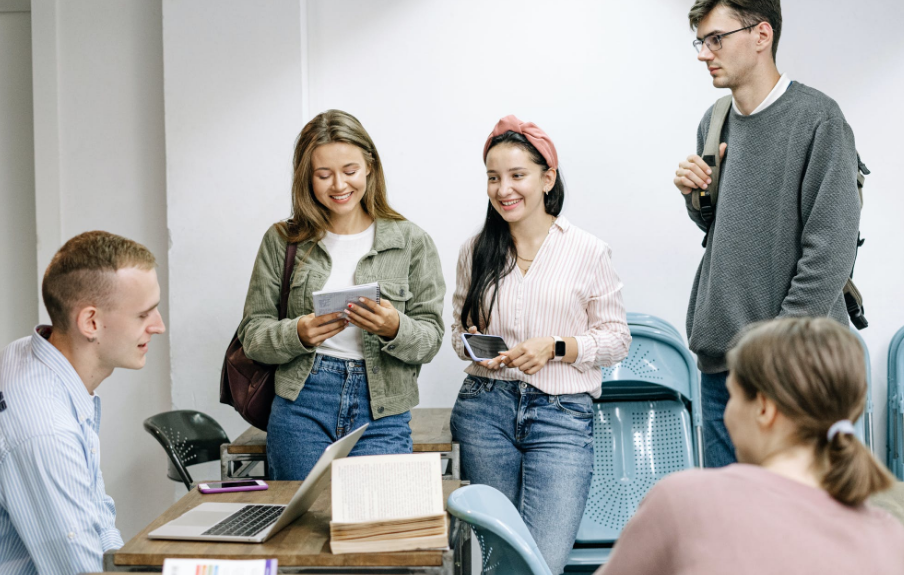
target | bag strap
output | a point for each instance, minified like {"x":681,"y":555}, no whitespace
{"x":289,"y":265}
{"x":705,"y":200}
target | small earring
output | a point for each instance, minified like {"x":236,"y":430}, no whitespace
{"x":92,"y":339}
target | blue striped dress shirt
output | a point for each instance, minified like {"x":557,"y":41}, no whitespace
{"x":55,"y":515}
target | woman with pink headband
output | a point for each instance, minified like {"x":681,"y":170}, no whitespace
{"x":524,"y":419}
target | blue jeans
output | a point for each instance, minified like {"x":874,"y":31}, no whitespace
{"x":535,"y":448}
{"x":334,"y":401}
{"x":718,"y":450}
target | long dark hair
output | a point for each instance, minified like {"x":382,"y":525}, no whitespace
{"x":493,"y":254}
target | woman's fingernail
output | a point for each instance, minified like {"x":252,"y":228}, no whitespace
{"x":350,"y":306}
{"x":361,"y":299}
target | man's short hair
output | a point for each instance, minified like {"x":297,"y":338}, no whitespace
{"x":749,"y":12}
{"x":82,"y":273}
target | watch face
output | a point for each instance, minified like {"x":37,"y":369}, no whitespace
{"x":560,"y":348}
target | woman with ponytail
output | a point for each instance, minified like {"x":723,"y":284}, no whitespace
{"x":524,"y":419}
{"x":796,"y":502}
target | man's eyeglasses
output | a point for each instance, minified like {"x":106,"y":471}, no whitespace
{"x":714,"y":41}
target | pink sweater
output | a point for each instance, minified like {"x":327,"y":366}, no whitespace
{"x":743,"y":519}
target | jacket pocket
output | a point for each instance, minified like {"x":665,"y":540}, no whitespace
{"x":300,"y":299}
{"x":396,"y":291}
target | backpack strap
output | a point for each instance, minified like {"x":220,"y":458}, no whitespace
{"x":288,"y":266}
{"x":705,"y":200}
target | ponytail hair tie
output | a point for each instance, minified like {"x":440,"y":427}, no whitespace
{"x":840,"y":426}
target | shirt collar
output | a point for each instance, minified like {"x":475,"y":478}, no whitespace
{"x":387,"y":235}
{"x":561,"y":223}
{"x":783,"y":82}
{"x":46,"y":353}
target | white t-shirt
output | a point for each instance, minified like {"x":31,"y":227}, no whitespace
{"x":345,"y":252}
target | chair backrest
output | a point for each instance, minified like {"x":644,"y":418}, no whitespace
{"x":635,"y":444}
{"x":895,"y":429}
{"x":654,"y":322}
{"x":642,"y":427}
{"x":864,"y":425}
{"x":506,"y":546}
{"x":188,"y":437}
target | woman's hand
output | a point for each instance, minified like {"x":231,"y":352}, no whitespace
{"x":494,"y":363}
{"x":379,"y":319}
{"x":314,"y":330}
{"x":530,"y":355}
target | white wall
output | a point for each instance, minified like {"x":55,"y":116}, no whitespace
{"x":233,"y":75}
{"x":19,"y":305}
{"x":618,"y":88}
{"x":98,"y":77}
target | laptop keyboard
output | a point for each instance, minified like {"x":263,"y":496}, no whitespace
{"x":247,"y":521}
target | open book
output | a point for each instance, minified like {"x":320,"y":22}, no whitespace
{"x":388,"y":503}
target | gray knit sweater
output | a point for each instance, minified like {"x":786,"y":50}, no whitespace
{"x":785,"y":233}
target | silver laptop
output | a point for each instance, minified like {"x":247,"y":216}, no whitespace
{"x":252,"y":523}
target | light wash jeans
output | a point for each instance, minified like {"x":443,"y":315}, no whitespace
{"x":535,"y":448}
{"x":334,"y":401}
{"x":718,"y":450}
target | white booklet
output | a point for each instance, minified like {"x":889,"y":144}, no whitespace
{"x":219,"y":567}
{"x":337,"y":300}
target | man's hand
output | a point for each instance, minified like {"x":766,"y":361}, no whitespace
{"x":693,"y":173}
{"x":379,"y":319}
{"x":530,"y":356}
{"x":314,"y":330}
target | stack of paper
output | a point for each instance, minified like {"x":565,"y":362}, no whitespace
{"x":388,"y":503}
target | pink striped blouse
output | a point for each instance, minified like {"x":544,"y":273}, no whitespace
{"x":570,"y":290}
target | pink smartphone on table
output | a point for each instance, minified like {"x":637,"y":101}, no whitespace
{"x":235,"y":485}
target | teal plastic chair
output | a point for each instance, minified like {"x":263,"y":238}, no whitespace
{"x":648,"y":320}
{"x":895,"y":430}
{"x":647,"y":424}
{"x":864,"y":426}
{"x":506,"y":546}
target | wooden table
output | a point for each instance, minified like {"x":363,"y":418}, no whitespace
{"x":302,"y":547}
{"x":430,"y":432}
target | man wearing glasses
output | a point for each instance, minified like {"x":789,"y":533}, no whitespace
{"x":784,"y":235}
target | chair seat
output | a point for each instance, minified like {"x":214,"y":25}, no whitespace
{"x":635,"y":444}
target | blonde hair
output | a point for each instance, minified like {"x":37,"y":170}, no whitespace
{"x":81,"y":273}
{"x":310,"y":219}
{"x":814,"y":371}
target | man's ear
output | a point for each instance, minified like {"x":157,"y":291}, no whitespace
{"x":87,"y":323}
{"x":765,"y":36}
{"x":766,"y":411}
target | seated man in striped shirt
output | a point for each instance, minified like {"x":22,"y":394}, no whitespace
{"x":101,"y":293}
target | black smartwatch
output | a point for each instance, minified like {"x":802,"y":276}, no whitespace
{"x":560,"y":347}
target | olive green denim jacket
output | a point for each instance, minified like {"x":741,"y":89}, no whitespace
{"x":403,"y":261}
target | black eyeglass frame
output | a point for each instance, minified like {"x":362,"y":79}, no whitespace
{"x":716,"y":37}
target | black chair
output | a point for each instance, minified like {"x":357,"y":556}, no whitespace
{"x":188,"y":437}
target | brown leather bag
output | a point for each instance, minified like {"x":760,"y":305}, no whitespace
{"x":245,"y":384}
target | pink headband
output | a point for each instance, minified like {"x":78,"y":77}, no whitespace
{"x":529,"y":130}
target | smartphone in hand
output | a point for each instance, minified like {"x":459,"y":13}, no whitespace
{"x":235,"y":485}
{"x":483,"y":347}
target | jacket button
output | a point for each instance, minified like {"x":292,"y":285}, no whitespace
{"x":380,"y":409}
{"x":376,"y":369}
{"x":391,"y":347}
